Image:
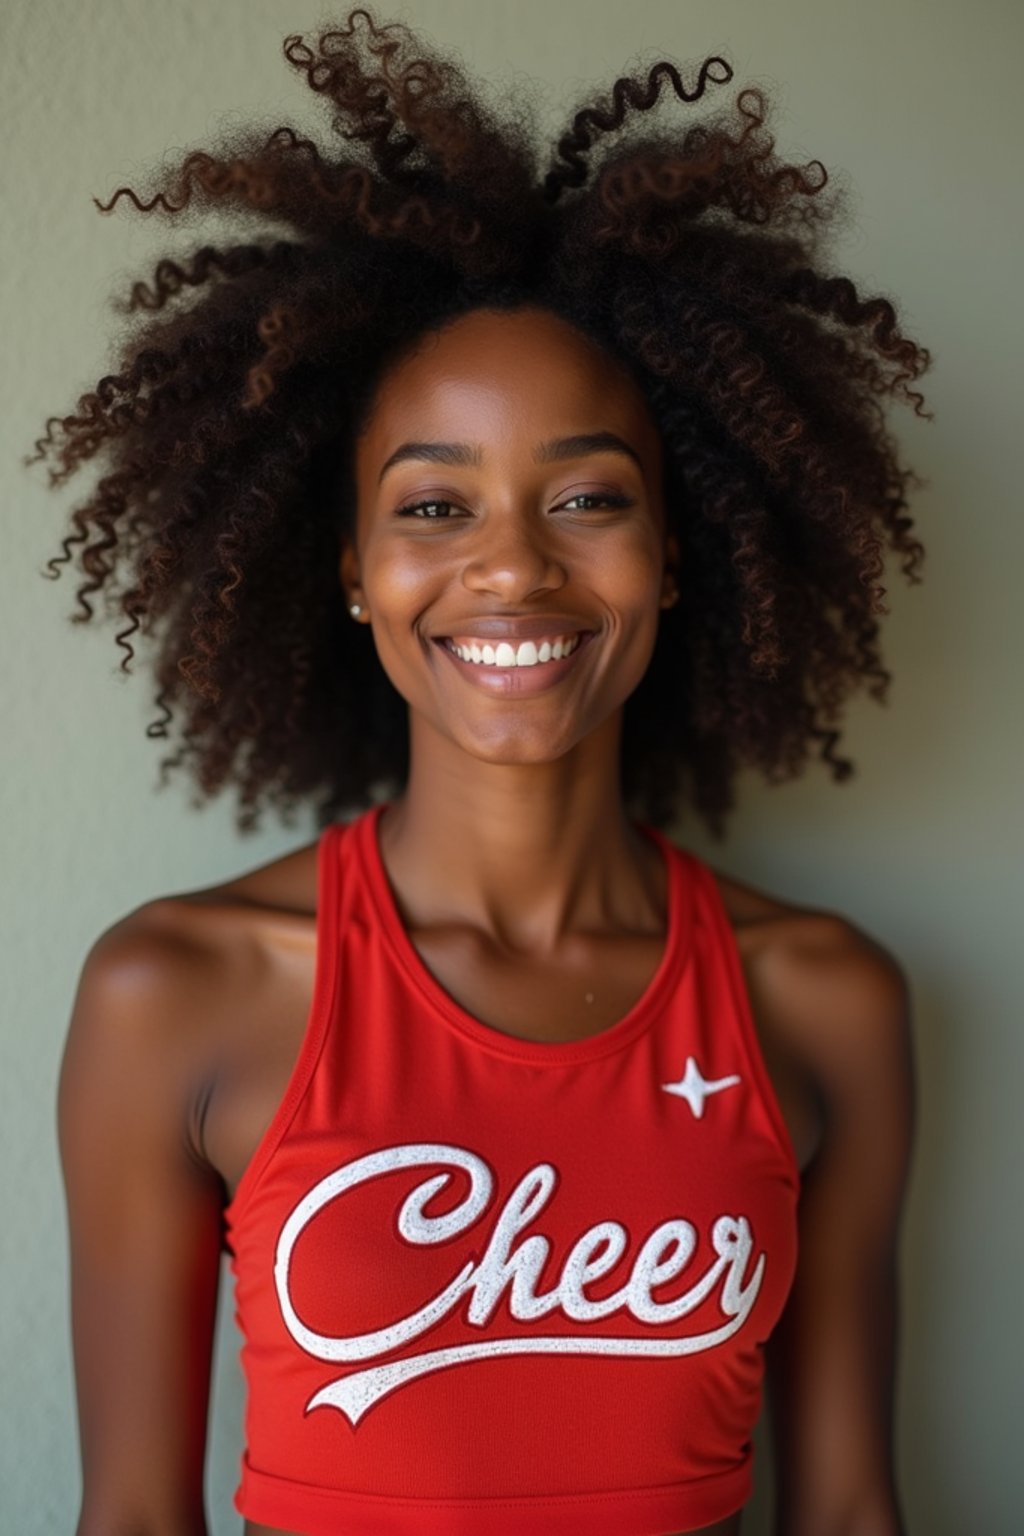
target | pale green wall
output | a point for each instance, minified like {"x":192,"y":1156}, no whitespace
{"x":919,"y":103}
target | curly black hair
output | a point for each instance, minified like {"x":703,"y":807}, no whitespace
{"x":693,"y":255}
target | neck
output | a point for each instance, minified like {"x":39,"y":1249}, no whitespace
{"x":528,"y":853}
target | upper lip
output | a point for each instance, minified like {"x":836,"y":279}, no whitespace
{"x":536,"y":627}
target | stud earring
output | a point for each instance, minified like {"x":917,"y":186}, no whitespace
{"x":355,"y":609}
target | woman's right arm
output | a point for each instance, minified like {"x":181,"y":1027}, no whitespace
{"x":144,"y":1217}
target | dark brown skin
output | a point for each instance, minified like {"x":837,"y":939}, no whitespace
{"x":549,"y":923}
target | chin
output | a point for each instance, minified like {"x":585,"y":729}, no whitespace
{"x":515,"y":747}
{"x":515,"y":753}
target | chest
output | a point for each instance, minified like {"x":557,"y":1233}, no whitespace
{"x":584,"y":988}
{"x":589,"y":987}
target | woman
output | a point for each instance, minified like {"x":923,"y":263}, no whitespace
{"x":499,"y":509}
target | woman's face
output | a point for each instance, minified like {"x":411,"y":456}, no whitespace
{"x":508,"y":494}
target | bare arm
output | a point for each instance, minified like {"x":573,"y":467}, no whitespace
{"x":144,"y":1221}
{"x":832,"y":1358}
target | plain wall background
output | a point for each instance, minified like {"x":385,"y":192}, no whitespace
{"x":917,"y":102}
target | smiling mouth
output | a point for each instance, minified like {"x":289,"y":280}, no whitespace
{"x":504,"y":655}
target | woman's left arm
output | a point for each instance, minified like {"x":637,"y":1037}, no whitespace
{"x":832,"y":1358}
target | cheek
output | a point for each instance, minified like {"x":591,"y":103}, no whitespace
{"x":401,"y":584}
{"x":402,"y":577}
{"x":628,"y":572}
{"x":621,"y":569}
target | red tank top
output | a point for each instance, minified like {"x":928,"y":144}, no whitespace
{"x":488,"y":1285}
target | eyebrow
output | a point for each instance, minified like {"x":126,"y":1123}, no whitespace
{"x":574,"y":447}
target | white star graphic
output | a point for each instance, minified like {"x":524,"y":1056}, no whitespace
{"x":694,"y":1087}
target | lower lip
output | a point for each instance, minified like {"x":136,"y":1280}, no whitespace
{"x":521,"y":681}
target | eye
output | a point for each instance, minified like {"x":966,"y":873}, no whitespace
{"x":600,"y":498}
{"x":435,"y":510}
{"x":425,"y":510}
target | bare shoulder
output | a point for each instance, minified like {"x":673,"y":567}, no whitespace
{"x":165,"y":981}
{"x":832,"y":1009}
{"x":830,"y":1001}
{"x":169,"y":1041}
{"x":284,"y":884}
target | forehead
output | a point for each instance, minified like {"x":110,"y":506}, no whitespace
{"x":491,"y":374}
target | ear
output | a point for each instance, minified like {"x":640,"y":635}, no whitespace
{"x":349,"y":575}
{"x":670,"y":579}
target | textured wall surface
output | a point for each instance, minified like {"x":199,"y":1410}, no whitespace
{"x":917,"y":103}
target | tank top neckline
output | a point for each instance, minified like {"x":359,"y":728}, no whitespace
{"x":675,"y":957}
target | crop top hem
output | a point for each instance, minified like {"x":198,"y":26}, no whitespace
{"x":652,"y":1511}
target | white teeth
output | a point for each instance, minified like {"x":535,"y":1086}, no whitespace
{"x":527,"y":654}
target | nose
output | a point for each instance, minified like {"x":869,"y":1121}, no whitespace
{"x":514,"y":558}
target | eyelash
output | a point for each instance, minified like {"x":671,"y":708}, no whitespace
{"x":410,"y":508}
